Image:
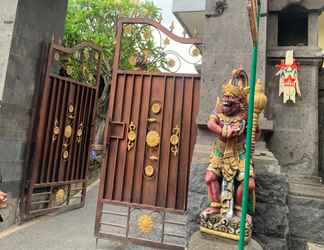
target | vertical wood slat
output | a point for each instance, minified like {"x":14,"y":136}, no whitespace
{"x":83,"y":143}
{"x":185,"y":147}
{"x":53,"y":114}
{"x":193,"y":130}
{"x":48,"y":130}
{"x":51,"y":161}
{"x":132,"y":154}
{"x":70,"y":101}
{"x":126,"y":116}
{"x":150,"y":183}
{"x":88,"y":135}
{"x":82,"y":120}
{"x":137,"y":191}
{"x":165,"y":150}
{"x":63,"y":120}
{"x":174,"y":159}
{"x":78,"y":120}
{"x":72,"y":163}
{"x":114,"y":143}
{"x":158,"y":172}
{"x":122,"y":90}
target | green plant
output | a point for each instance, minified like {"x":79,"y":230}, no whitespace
{"x":95,"y":20}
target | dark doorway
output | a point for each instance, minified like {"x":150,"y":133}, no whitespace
{"x":293,"y":26}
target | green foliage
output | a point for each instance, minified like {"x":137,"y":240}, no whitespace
{"x":95,"y":20}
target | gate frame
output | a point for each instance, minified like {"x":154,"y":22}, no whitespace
{"x":31,"y":165}
{"x":107,"y":132}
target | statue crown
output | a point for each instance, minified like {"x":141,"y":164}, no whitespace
{"x":237,"y":86}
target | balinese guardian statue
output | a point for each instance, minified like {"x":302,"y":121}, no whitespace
{"x":225,"y":173}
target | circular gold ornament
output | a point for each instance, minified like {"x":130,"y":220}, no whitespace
{"x":68,"y":131}
{"x":57,"y":56}
{"x":131,"y":136}
{"x":156,"y":108}
{"x":153,"y":138}
{"x":171,"y":63}
{"x":65,"y":155}
{"x":71,"y":108}
{"x":174,"y":139}
{"x":149,"y":171}
{"x":59,"y":196}
{"x":145,"y":223}
{"x":56,"y":130}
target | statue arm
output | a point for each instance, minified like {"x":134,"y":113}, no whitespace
{"x":213,"y":124}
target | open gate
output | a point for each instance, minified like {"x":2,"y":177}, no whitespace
{"x":150,"y":136}
{"x":63,"y":130}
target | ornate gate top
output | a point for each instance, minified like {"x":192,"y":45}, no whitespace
{"x":143,"y":59}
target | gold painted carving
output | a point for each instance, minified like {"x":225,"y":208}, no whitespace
{"x":175,"y":140}
{"x":145,"y":223}
{"x":152,"y":120}
{"x":68,"y":132}
{"x":149,"y":171}
{"x":65,"y":155}
{"x":56,"y":130}
{"x":156,"y":107}
{"x":79,"y":133}
{"x":154,"y":158}
{"x":153,"y":138}
{"x":131,"y":136}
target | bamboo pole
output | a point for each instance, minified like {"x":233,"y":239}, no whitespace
{"x":253,"y":70}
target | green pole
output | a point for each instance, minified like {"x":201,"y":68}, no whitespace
{"x":253,"y":70}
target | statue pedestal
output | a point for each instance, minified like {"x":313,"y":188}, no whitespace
{"x":203,"y":241}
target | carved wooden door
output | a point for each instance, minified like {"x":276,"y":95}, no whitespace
{"x":150,"y":136}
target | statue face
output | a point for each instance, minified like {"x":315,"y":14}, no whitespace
{"x":231,"y":105}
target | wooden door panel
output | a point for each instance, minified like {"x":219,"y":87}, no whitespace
{"x":125,"y":176}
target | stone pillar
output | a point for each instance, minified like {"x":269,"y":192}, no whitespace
{"x":7,"y":21}
{"x":32,"y":23}
{"x":295,"y":137}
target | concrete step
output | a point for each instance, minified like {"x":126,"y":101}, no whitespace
{"x":307,"y":189}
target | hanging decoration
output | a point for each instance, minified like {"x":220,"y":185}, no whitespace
{"x":288,"y":82}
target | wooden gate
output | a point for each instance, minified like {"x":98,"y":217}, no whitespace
{"x":62,"y":130}
{"x":150,"y":139}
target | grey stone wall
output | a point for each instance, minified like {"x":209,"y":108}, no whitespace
{"x":295,"y":137}
{"x":321,"y":123}
{"x":228,"y":45}
{"x":36,"y":21}
{"x":7,"y":21}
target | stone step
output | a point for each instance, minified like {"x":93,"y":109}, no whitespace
{"x":307,"y":189}
{"x":306,"y":180}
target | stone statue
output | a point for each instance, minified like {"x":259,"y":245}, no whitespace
{"x":225,"y":173}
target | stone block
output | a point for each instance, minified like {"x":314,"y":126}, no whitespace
{"x":271,"y":220}
{"x":271,"y":243}
{"x":272,"y":189}
{"x":306,"y":218}
{"x":197,"y":183}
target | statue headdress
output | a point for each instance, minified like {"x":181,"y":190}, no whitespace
{"x":238,"y":85}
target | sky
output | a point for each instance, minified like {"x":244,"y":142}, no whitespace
{"x":182,"y":49}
